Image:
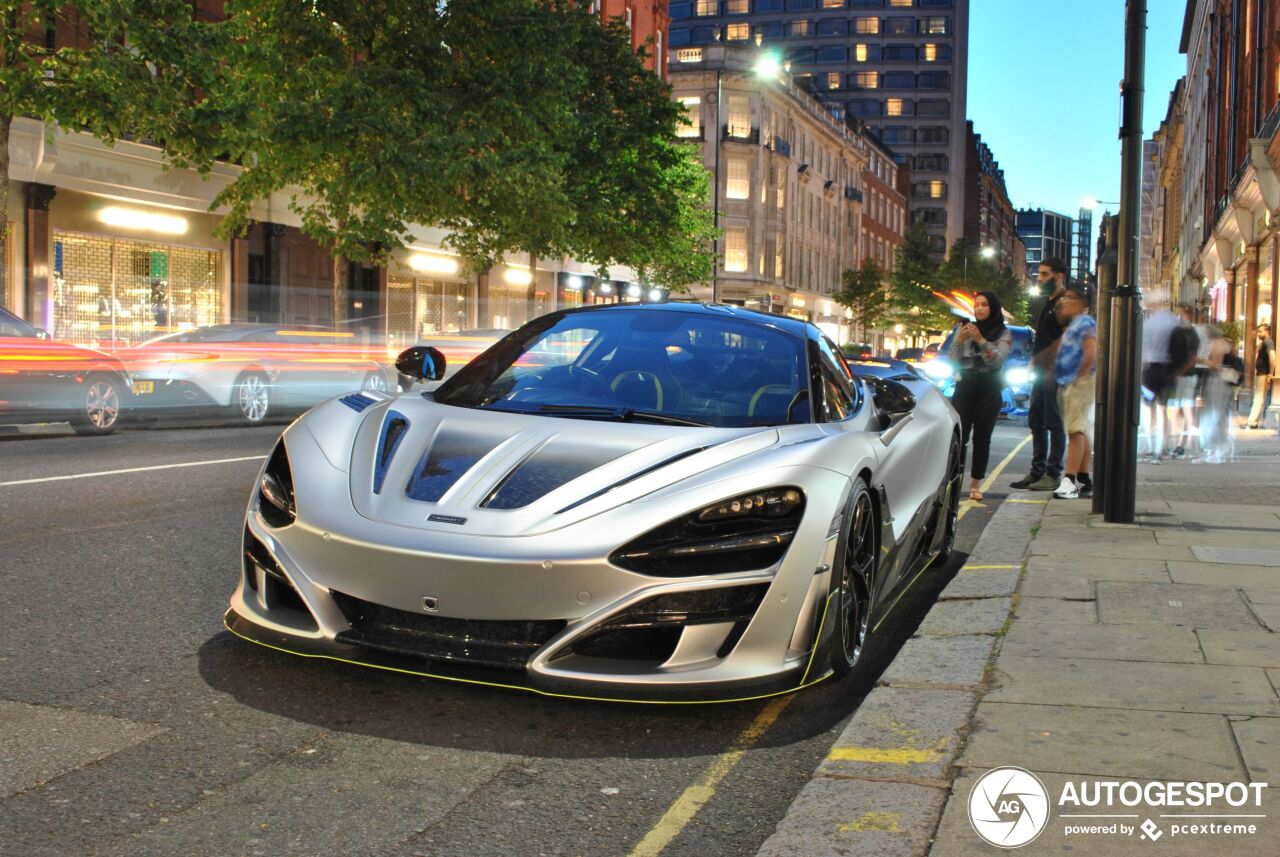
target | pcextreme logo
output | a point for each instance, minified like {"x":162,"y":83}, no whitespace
{"x":1009,"y":807}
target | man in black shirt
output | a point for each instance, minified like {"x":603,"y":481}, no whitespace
{"x":1264,"y":369}
{"x":1048,"y":439}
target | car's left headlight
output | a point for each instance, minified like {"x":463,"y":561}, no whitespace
{"x":1018,"y":376}
{"x":743,"y":533}
{"x":275,"y":489}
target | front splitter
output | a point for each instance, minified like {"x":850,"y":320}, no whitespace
{"x":459,"y":674}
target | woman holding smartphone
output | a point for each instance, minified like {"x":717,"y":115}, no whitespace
{"x":978,"y":352}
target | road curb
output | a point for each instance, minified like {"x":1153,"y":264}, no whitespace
{"x":883,"y":785}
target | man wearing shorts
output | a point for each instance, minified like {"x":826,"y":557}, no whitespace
{"x":1073,"y":370}
{"x":1159,"y":377}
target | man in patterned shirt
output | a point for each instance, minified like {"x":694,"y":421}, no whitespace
{"x":1073,"y":369}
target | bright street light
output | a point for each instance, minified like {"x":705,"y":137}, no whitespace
{"x":988,"y":252}
{"x":1091,"y":203}
{"x":768,"y":66}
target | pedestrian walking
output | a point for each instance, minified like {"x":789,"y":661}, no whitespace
{"x":1220,"y":380}
{"x":1159,"y":378}
{"x":979,"y":351}
{"x":1073,"y":370}
{"x":1048,"y":440}
{"x":1265,"y":369}
{"x":1184,"y":351}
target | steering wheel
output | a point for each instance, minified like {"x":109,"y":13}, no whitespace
{"x":593,"y":379}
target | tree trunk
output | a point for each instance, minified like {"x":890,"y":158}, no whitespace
{"x":6,"y":122}
{"x":341,"y":274}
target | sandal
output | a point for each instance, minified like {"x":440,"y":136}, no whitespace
{"x":975,"y":494}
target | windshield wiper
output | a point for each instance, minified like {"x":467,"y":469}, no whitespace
{"x":605,"y":412}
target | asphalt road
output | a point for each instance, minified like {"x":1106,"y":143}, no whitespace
{"x":134,"y":724}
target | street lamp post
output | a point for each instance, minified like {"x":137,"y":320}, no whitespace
{"x":987,"y":252}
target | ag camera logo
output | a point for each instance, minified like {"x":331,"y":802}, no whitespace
{"x":1008,"y":807}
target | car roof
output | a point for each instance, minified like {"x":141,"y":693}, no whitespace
{"x":794,"y":326}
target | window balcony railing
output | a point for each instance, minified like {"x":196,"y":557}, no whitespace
{"x":741,"y":135}
{"x":781,"y":146}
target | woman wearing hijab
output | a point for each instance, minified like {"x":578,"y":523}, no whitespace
{"x":978,"y":352}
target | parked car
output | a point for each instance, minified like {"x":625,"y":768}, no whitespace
{"x":42,"y":380}
{"x":688,"y":501}
{"x":909,"y":355}
{"x":253,"y":371}
{"x":858,"y":350}
{"x":884,"y":367}
{"x":1018,"y":376}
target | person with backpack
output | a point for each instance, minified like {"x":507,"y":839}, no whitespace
{"x":1184,"y":352}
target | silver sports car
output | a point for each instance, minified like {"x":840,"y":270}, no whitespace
{"x":645,"y":502}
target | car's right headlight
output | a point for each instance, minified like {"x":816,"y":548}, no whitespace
{"x":743,"y":533}
{"x":939,"y":370}
{"x":275,"y":490}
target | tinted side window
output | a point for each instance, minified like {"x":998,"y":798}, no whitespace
{"x":839,"y":401}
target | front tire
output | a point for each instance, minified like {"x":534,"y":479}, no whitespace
{"x":251,"y":398}
{"x":854,"y":581}
{"x":99,"y":410}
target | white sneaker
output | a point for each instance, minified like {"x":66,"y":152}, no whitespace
{"x":1068,"y":490}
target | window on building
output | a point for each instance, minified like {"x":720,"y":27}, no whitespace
{"x":703,"y":35}
{"x":897,"y":107}
{"x":781,"y":197}
{"x":937,"y":244}
{"x":934,"y":163}
{"x":900,"y":3}
{"x":778,"y":260}
{"x":900,"y":26}
{"x":682,"y":36}
{"x":689,"y":54}
{"x":693,"y":110}
{"x":866,"y":80}
{"x":704,"y":8}
{"x":769,"y":5}
{"x":832,"y":4}
{"x":769,"y":30}
{"x":800,"y":28}
{"x":897,"y":134}
{"x":933,"y":107}
{"x":735,"y":249}
{"x":833,"y":53}
{"x":934,"y":80}
{"x":931,"y":52}
{"x":935,"y":26}
{"x":737,"y":7}
{"x":937,"y":189}
{"x":657,"y":51}
{"x":898,"y":80}
{"x":866,"y":53}
{"x":737,"y":32}
{"x":898,"y":53}
{"x":865,"y":107}
{"x":802,"y":4}
{"x":936,"y":134}
{"x":739,"y":116}
{"x":800,"y":56}
{"x":679,"y":11}
{"x":834,"y":79}
{"x":737,"y":184}
{"x":866,"y":26}
{"x":833,"y":27}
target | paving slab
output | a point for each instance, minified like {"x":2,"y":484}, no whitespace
{"x":1173,"y":604}
{"x":959,"y":618}
{"x":1055,"y":585}
{"x":1220,"y":513}
{"x":1203,"y":688}
{"x":1220,"y":537}
{"x":956,"y":838}
{"x":946,"y":661}
{"x":1222,"y":574}
{"x":902,"y":734}
{"x":1131,"y":548}
{"x":1259,"y":739}
{"x":1099,"y":568}
{"x":981,"y":583}
{"x":851,"y":818}
{"x":1104,"y":742}
{"x":1036,"y":611}
{"x":1104,"y":642}
{"x":1258,"y":595}
{"x":1269,"y":614}
{"x":1237,"y":556}
{"x":40,"y":742}
{"x":1241,"y":648}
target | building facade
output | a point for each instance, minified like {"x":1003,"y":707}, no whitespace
{"x":790,"y":184}
{"x":898,"y":65}
{"x":1046,"y":235}
{"x":1147,"y":250}
{"x":989,"y":219}
{"x":1082,"y":243}
{"x":886,"y":185}
{"x":1166,"y":211}
{"x":647,"y":20}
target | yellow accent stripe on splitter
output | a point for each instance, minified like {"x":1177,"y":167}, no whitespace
{"x":534,"y":690}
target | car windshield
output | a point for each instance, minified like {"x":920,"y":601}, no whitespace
{"x":657,"y":365}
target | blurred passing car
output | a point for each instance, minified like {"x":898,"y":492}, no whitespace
{"x":251,"y":370}
{"x":1018,"y":375}
{"x":46,"y":381}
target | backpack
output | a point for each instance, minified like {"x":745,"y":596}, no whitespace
{"x":1234,"y":363}
{"x":1184,"y":345}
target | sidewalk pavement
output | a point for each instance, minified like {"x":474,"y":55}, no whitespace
{"x":1144,"y":652}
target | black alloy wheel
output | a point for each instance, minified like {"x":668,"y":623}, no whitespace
{"x":855,"y":580}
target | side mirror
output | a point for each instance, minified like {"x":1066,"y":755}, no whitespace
{"x":421,"y":362}
{"x":893,"y":398}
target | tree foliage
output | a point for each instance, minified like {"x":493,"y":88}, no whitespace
{"x":863,"y":293}
{"x":127,"y":72}
{"x":912,"y":283}
{"x":984,"y":274}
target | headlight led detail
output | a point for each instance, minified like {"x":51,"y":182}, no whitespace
{"x":275,"y":490}
{"x":774,"y":503}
